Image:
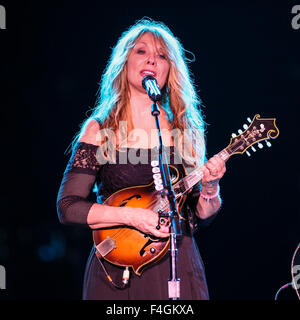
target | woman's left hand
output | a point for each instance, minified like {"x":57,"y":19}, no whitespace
{"x":213,"y":171}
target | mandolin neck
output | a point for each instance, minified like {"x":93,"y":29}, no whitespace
{"x":260,"y":129}
{"x":194,"y":177}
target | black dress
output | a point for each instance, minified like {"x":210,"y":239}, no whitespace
{"x":82,"y":173}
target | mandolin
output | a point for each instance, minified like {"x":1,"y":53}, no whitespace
{"x":127,"y":246}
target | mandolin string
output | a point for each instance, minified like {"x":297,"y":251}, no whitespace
{"x":124,"y":230}
{"x":120,"y":232}
{"x":116,"y":234}
{"x":235,"y":148}
{"x":246,"y":138}
{"x":166,"y":205}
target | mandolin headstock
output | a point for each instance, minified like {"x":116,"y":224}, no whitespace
{"x":258,"y":130}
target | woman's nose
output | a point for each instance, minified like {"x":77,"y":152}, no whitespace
{"x":151,"y":59}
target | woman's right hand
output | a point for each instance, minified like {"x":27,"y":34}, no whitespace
{"x":146,"y":221}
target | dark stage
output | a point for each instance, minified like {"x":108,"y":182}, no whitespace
{"x":247,"y":63}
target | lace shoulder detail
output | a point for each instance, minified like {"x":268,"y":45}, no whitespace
{"x":83,"y":159}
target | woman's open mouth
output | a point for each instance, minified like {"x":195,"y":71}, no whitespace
{"x":145,"y":72}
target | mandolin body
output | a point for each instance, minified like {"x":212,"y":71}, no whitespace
{"x":132,"y":247}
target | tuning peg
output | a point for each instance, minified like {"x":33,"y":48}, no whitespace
{"x":233,"y":135}
{"x":260,"y":145}
{"x":240,"y":131}
{"x":245,"y":127}
{"x":268,"y":143}
{"x":253,"y":149}
{"x":248,"y":153}
{"x":249,"y":120}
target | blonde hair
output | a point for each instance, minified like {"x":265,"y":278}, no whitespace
{"x":179,"y":98}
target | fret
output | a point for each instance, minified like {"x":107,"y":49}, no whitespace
{"x":257,"y":132}
{"x":189,"y":181}
{"x":162,"y":205}
{"x":194,"y":177}
{"x":224,"y":155}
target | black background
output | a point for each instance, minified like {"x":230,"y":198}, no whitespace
{"x":247,"y":63}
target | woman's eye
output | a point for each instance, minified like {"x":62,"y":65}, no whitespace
{"x":140,"y":51}
{"x":163,"y":56}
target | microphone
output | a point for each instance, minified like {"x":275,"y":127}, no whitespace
{"x":149,"y":83}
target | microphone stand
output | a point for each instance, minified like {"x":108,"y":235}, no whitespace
{"x":173,"y":282}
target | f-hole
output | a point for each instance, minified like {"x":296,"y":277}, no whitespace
{"x":125,"y":201}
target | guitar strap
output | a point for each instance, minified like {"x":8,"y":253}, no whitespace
{"x":190,"y":214}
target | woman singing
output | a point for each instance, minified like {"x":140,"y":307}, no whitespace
{"x":114,"y":150}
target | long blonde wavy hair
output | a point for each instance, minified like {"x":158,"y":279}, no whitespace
{"x":179,"y":97}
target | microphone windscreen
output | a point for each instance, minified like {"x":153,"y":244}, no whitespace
{"x":148,"y":77}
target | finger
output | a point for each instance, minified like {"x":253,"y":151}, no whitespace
{"x":163,"y":232}
{"x":216,"y":166}
{"x":207,"y":177}
{"x":163,"y":224}
{"x":206,"y":173}
{"x":156,"y":228}
{"x":210,"y":163}
{"x":213,"y":169}
{"x":220,"y":162}
{"x":221,"y":166}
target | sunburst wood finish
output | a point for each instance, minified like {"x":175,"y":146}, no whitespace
{"x":134,"y":248}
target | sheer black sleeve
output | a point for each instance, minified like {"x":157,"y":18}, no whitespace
{"x":78,"y":179}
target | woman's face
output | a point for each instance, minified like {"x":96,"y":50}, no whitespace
{"x":147,"y":57}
